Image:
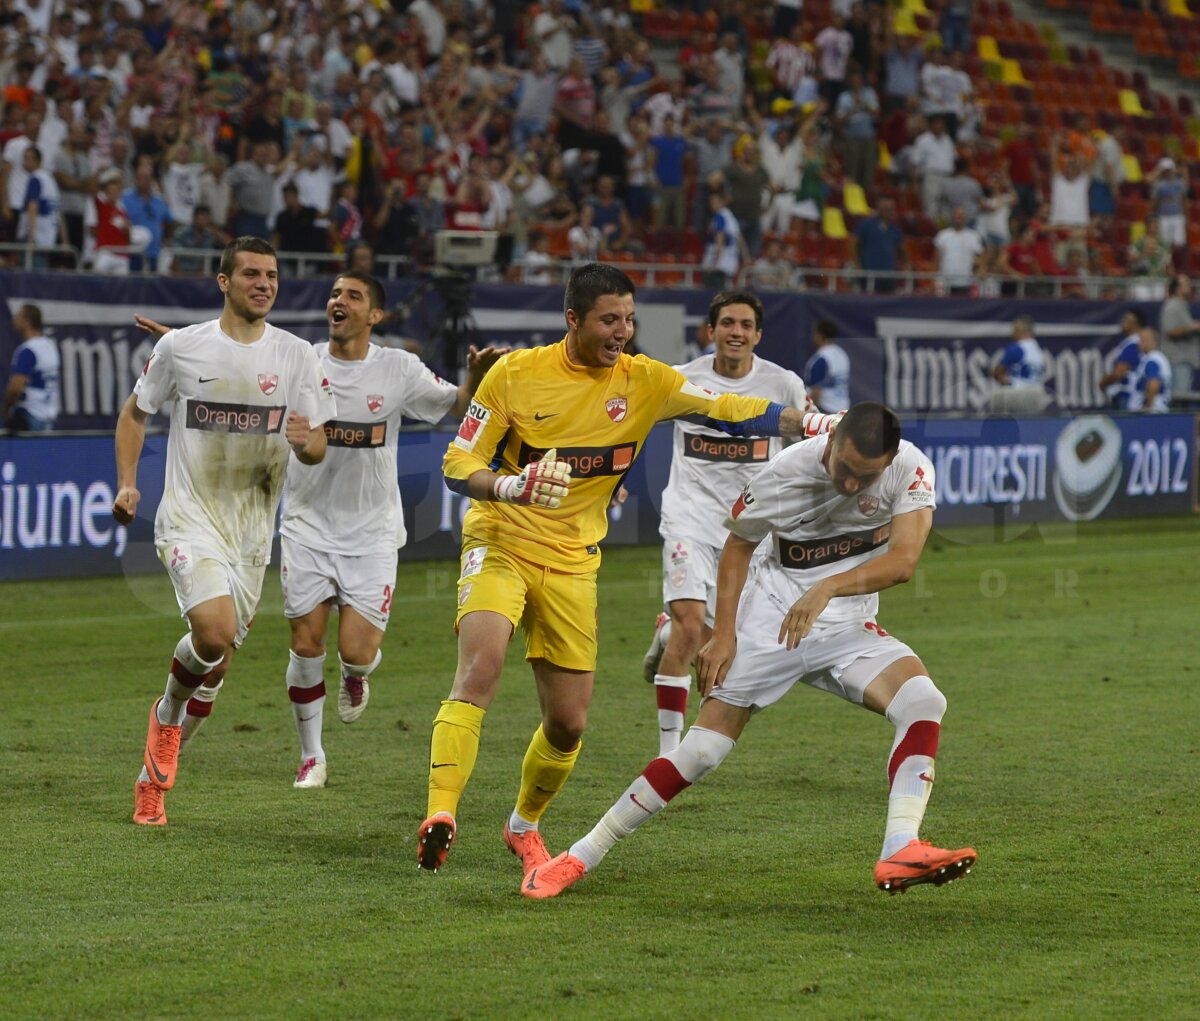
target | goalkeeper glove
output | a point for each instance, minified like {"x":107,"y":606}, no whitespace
{"x":816,"y":422}
{"x":542,"y":484}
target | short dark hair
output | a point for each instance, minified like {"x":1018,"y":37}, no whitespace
{"x":1176,"y":281}
{"x":873,"y":428}
{"x":246,"y":243}
{"x":727,"y":298}
{"x":826,"y":328}
{"x":375,"y":292}
{"x":1139,"y":316}
{"x":592,"y":281}
{"x":33,"y":316}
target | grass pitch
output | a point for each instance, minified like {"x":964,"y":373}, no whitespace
{"x":1069,"y":759}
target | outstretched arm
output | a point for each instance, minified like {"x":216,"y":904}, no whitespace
{"x":131,"y":436}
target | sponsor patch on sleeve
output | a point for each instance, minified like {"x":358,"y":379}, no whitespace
{"x":473,"y":422}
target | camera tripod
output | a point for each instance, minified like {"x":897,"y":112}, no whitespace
{"x":455,"y":330}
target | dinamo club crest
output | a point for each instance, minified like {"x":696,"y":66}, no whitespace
{"x":374,"y":402}
{"x":868,"y":503}
{"x":617,"y":407}
{"x":267,"y":383}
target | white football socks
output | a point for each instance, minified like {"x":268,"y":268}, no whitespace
{"x":173,"y":706}
{"x":917,"y":702}
{"x":306,"y":691}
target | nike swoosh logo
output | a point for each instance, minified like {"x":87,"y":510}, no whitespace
{"x":439,"y":765}
{"x":927,"y":779}
{"x":532,"y":884}
{"x":541,"y":418}
{"x":159,"y":776}
{"x":209,"y":380}
{"x":633,"y":798}
{"x":305,"y":719}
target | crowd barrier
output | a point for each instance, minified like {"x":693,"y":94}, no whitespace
{"x":56,"y":491}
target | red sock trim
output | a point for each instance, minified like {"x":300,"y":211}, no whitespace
{"x":920,"y":739}
{"x":185,"y":677}
{"x":674,"y":699}
{"x":198,"y":707}
{"x":666,"y":780}
{"x":302,"y":696}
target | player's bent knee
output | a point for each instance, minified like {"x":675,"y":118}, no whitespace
{"x":564,"y":733}
{"x":699,"y":753}
{"x":918,"y":698}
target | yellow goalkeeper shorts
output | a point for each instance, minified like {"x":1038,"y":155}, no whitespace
{"x":556,"y":611}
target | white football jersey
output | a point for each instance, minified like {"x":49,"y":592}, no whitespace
{"x":709,"y":467}
{"x":816,"y":531}
{"x":350,"y":502}
{"x":227,"y":452}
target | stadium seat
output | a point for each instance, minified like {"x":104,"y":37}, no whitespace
{"x":833,"y":223}
{"x":1133,"y":168}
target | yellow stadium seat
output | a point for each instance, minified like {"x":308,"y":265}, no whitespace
{"x":1133,"y":169}
{"x":1137,"y":231}
{"x":916,"y":6}
{"x":1010,"y":74}
{"x":833,"y":223}
{"x":1131,"y":106}
{"x":905,"y":23}
{"x":1179,"y":9}
{"x":885,"y":157}
{"x":855,"y":199}
{"x":988,"y":50}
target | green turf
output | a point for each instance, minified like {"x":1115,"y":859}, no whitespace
{"x":1069,"y":759}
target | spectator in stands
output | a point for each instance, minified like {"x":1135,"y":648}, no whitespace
{"x":939,"y":91}
{"x":252,"y":191}
{"x":1081,"y":281}
{"x":723,"y":249}
{"x":731,"y":69}
{"x":610,"y":216}
{"x":183,"y":163}
{"x":712,"y":146}
{"x":31,"y":399}
{"x":878,"y":247}
{"x":539,"y":260}
{"x":106,"y":226}
{"x":553,"y":29}
{"x":932,"y":161}
{"x":575,"y":106}
{"x":793,"y":67}
{"x":429,"y":213}
{"x":265,"y":126}
{"x":855,"y":115}
{"x":902,"y":66}
{"x":771,"y":271}
{"x":200,"y":234}
{"x":212,"y":190}
{"x":1021,"y":156}
{"x":1168,"y":202}
{"x":960,"y":189}
{"x":827,"y":370}
{"x":640,"y":157}
{"x":311,"y":170}
{"x":346,"y":226}
{"x":1020,"y":373}
{"x":40,"y":224}
{"x":863,"y":53}
{"x":1153,"y":263}
{"x":1108,"y":171}
{"x":782,"y":155}
{"x":538,"y":85}
{"x":1117,"y":383}
{"x":996,"y":204}
{"x":296,"y":229}
{"x":959,"y":249}
{"x":584,"y":238}
{"x":76,"y":181}
{"x":1180,"y":333}
{"x":147,"y":208}
{"x":13,"y":174}
{"x":670,"y":149}
{"x":834,"y":46}
{"x":1150,"y":389}
{"x":955,"y":26}
{"x":747,"y":182}
{"x":1068,"y":188}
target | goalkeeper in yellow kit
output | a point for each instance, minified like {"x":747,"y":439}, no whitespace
{"x":545,"y":444}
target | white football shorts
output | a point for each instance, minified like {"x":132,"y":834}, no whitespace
{"x":842,"y":658}
{"x":310,"y":577}
{"x":690,"y":572}
{"x":200,"y":574}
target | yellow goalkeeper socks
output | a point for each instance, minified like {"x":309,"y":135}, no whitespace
{"x":543,"y":772}
{"x":453,"y":747}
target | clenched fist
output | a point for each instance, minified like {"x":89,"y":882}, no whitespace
{"x":542,"y":484}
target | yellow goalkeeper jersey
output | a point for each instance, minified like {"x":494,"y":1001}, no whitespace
{"x":597,"y":418}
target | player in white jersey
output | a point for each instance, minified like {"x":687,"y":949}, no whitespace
{"x":847,"y":517}
{"x":708,"y":469}
{"x":1150,"y":385}
{"x":246,"y":396}
{"x":342,"y":521}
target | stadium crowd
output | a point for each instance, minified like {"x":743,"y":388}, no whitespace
{"x":748,"y":138}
